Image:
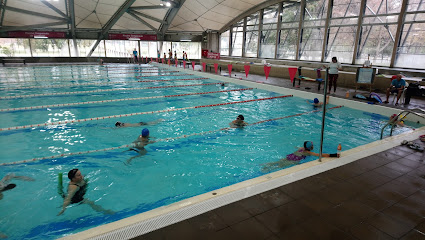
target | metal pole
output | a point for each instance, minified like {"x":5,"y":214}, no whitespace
{"x":323,"y":114}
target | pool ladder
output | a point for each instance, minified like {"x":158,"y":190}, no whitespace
{"x":407,"y":112}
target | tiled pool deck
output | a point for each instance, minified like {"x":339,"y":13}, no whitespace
{"x":377,"y":197}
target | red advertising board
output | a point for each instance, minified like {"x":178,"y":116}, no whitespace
{"x":143,"y":37}
{"x":34,"y":34}
{"x":204,"y":52}
{"x":213,"y":55}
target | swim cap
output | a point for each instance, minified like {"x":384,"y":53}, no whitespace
{"x":308,"y":145}
{"x":241,"y":117}
{"x":316,"y":100}
{"x":117,"y":124}
{"x":394,"y":116}
{"x":145,"y":132}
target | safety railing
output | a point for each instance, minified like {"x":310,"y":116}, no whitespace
{"x":393,"y":122}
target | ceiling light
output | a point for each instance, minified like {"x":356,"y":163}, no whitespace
{"x":168,"y":4}
{"x":40,"y":37}
{"x":186,"y":40}
{"x":161,"y":4}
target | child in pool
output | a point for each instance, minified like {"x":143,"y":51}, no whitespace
{"x":295,"y":157}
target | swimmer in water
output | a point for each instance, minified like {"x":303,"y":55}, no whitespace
{"x":395,"y":120}
{"x":121,"y":124}
{"x":5,"y":185}
{"x":77,"y":188}
{"x":239,"y":122}
{"x":317,"y":103}
{"x":139,"y":144}
{"x":295,"y":157}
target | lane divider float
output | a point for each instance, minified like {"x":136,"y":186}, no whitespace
{"x":107,"y":83}
{"x":117,"y":100}
{"x":102,"y":90}
{"x":158,"y":140}
{"x":139,"y":113}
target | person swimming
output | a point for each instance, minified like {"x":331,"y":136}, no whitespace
{"x":239,"y":122}
{"x":5,"y":185}
{"x":139,"y":145}
{"x":395,"y":120}
{"x":317,"y":103}
{"x":77,"y":188}
{"x":121,"y":124}
{"x":296,"y":157}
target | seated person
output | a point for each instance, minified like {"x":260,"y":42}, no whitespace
{"x":77,"y":188}
{"x":397,"y":86}
{"x":367,"y":63}
{"x":239,"y":122}
{"x":295,"y":157}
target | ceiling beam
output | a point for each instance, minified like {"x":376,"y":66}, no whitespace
{"x":32,"y":27}
{"x":148,"y":17}
{"x":54,"y":8}
{"x":124,"y":7}
{"x":72,"y":17}
{"x":170,"y":16}
{"x":3,"y":11}
{"x":147,"y":7}
{"x":34,"y":13}
{"x":143,"y":21}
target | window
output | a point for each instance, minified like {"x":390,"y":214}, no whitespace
{"x":14,"y":47}
{"x":83,"y":48}
{"x":288,"y":34}
{"x":269,"y":32}
{"x":49,"y":47}
{"x":224,"y":43}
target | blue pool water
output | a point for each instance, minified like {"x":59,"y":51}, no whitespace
{"x":171,"y":170}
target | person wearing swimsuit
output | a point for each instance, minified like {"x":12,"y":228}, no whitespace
{"x":295,"y":157}
{"x":77,"y":188}
{"x":239,"y":122}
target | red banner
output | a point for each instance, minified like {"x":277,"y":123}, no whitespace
{"x":204,"y":65}
{"x":246,"y":67}
{"x":213,"y":55}
{"x":184,"y":64}
{"x":292,"y":73}
{"x":169,"y":63}
{"x":215,"y":67}
{"x":193,"y":66}
{"x":34,"y":34}
{"x":267,"y":71}
{"x":163,"y":60}
{"x":143,"y":37}
{"x":146,"y":59}
{"x":177,"y":62}
{"x":229,"y":67}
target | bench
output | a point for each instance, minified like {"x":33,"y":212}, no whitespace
{"x":13,"y":60}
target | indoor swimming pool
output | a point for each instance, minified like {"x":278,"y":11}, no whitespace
{"x":58,"y":118}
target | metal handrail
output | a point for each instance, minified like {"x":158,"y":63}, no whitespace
{"x":393,"y":124}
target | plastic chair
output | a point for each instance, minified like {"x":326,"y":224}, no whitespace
{"x":402,"y":96}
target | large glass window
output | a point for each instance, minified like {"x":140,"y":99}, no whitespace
{"x":251,"y":40}
{"x":288,"y":34}
{"x":83,"y":47}
{"x":411,"y":50}
{"x":14,"y":47}
{"x":378,"y":31}
{"x":193,"y":49}
{"x":49,"y":47}
{"x":269,"y":32}
{"x":224,"y":43}
{"x":121,"y":48}
{"x":342,"y":30}
{"x":313,"y":30}
{"x":237,"y":39}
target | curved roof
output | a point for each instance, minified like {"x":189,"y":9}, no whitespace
{"x":141,"y":16}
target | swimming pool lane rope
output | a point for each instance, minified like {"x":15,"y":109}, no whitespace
{"x":103,"y":90}
{"x":107,"y":83}
{"x":90,"y":74}
{"x":86,"y":79}
{"x":135,"y":114}
{"x":117,"y":100}
{"x":158,"y":140}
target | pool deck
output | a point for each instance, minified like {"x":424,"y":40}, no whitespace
{"x":377,"y":197}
